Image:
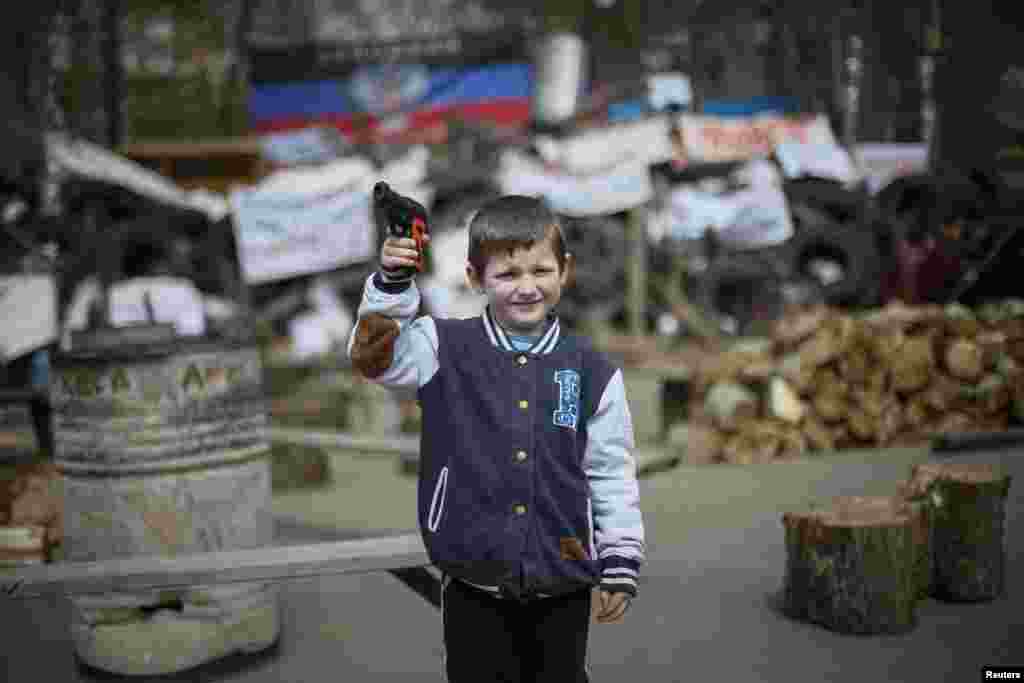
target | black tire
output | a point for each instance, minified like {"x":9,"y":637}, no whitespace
{"x":451,"y":212}
{"x":747,"y":292}
{"x":852,"y":249}
{"x":841,"y":205}
{"x":598,"y":246}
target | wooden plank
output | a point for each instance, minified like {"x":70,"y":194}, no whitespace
{"x":401,"y":445}
{"x":280,"y":563}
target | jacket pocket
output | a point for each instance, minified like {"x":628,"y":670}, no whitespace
{"x":437,"y":500}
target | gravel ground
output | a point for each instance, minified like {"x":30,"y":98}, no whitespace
{"x":706,"y":611}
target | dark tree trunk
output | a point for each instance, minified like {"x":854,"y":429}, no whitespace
{"x":25,"y":91}
{"x":977,"y":53}
{"x":113,"y":75}
{"x":852,"y":567}
{"x":891,"y":94}
{"x":967,"y":510}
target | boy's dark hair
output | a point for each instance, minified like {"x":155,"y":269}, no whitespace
{"x":511,"y":222}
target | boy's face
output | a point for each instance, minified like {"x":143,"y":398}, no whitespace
{"x":522,"y":286}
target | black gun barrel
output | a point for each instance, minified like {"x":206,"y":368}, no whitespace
{"x":382,"y":192}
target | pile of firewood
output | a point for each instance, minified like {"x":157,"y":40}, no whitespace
{"x":827,"y":380}
{"x":31,"y":524}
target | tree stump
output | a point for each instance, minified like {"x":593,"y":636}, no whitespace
{"x":852,"y":567}
{"x":967,"y":509}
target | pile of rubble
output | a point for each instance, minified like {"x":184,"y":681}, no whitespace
{"x":827,"y":380}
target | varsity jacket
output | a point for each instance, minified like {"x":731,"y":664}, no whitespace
{"x":527,"y":481}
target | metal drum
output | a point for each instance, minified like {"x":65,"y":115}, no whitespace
{"x":560,"y":73}
{"x":163,"y":451}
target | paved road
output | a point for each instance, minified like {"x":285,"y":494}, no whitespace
{"x":706,"y":612}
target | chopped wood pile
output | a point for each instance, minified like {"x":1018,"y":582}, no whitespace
{"x":827,"y":380}
{"x":31,"y":523}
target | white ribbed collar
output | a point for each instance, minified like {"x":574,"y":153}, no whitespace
{"x":545,"y":344}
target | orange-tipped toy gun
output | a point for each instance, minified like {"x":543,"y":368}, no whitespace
{"x":400,"y":216}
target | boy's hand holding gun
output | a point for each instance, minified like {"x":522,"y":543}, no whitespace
{"x":404,"y":221}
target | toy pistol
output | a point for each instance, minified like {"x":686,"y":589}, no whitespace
{"x":400,"y":216}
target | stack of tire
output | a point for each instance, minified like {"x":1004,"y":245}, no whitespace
{"x":832,"y":227}
{"x":598,"y":289}
{"x":832,"y":258}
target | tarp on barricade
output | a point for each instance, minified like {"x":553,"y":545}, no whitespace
{"x":77,"y":157}
{"x":713,"y":139}
{"x":745,"y":219}
{"x":884,"y":162}
{"x":310,"y":220}
{"x":624,"y":186}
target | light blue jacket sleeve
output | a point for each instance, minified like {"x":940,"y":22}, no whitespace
{"x":614,"y":490}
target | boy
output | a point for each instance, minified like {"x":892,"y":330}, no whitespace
{"x":527,"y":493}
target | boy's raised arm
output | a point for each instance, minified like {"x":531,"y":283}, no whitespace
{"x":389,"y":345}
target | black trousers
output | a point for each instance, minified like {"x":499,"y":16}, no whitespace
{"x":487,"y":638}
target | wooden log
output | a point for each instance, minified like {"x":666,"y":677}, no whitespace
{"x":961,"y":321}
{"x":750,"y":448}
{"x":891,"y":423}
{"x":850,"y":566}
{"x":896,"y":315}
{"x":791,"y":330}
{"x":828,"y":343}
{"x":967,"y":509}
{"x":886,"y":342}
{"x":862,"y":426}
{"x":991,"y":396}
{"x":965,"y":360}
{"x":917,"y":412}
{"x":783,"y":403}
{"x":147,"y":573}
{"x":828,"y":381}
{"x":855,"y":365}
{"x":913,"y":365}
{"x":841,"y":436}
{"x":794,"y":444}
{"x":729,"y":404}
{"x":830,"y":407}
{"x":797,"y":372}
{"x":819,"y":437}
{"x":699,"y":443}
{"x":993,"y":347}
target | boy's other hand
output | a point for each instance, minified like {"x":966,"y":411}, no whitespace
{"x":400,"y":252}
{"x":611,"y":607}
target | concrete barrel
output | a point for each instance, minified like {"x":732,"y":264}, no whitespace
{"x":163,"y":451}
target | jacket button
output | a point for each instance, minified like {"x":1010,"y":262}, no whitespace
{"x":521,"y":456}
{"x":521,"y":360}
{"x":519,"y":509}
{"x":524,"y":404}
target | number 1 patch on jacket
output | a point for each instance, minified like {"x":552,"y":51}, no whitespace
{"x":568,"y":413}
